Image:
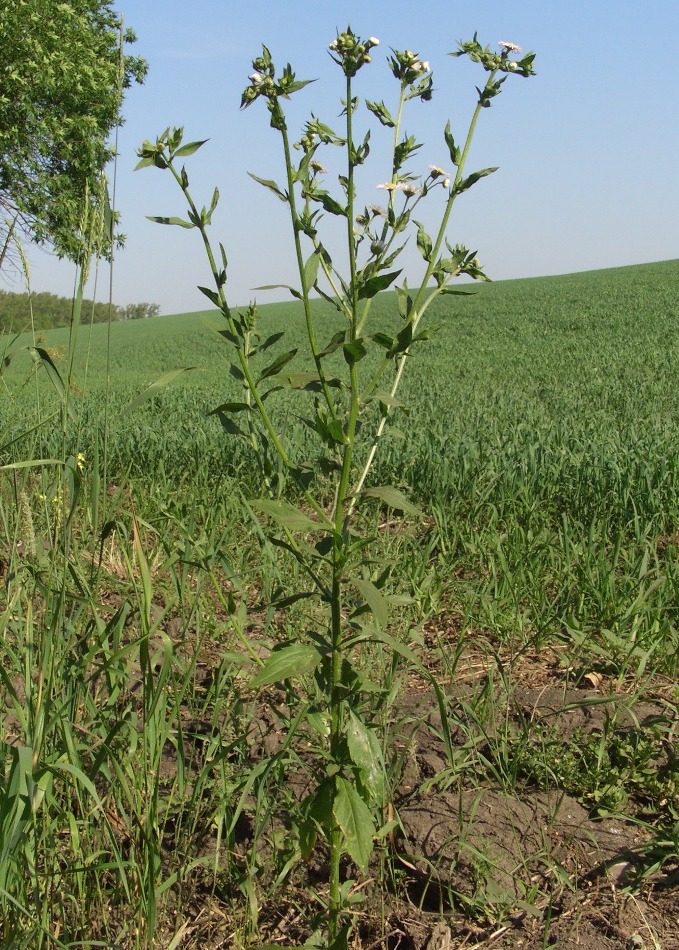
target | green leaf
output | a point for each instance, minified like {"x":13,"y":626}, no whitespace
{"x":379,"y":110}
{"x":466,"y":183}
{"x":295,"y":293}
{"x":424,"y":244}
{"x":277,"y":365}
{"x":188,"y":149}
{"x":156,"y":386}
{"x":354,"y":351}
{"x":290,"y":661}
{"x":271,"y":185}
{"x":337,"y":340}
{"x":355,"y":821}
{"x":287,"y":515}
{"x":374,"y":598}
{"x":376,"y":284}
{"x":394,"y":499}
{"x":311,"y":270}
{"x":163,"y":220}
{"x":455,"y":153}
{"x":231,"y":407}
{"x":366,"y":754}
{"x":329,"y":203}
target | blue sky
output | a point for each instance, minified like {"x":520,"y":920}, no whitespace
{"x":588,"y":150}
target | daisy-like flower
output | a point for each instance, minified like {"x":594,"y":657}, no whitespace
{"x":437,"y":172}
{"x":509,"y":47}
{"x":377,"y":210}
{"x":374,"y":41}
{"x":318,"y":168}
{"x":409,"y":189}
{"x":389,"y":186}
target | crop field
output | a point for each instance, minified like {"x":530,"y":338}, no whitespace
{"x":152,"y":798}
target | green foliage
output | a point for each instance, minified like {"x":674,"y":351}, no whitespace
{"x":346,"y":403}
{"x":62,"y":74}
{"x":45,"y":311}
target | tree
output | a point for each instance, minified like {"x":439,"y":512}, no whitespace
{"x":62,"y":76}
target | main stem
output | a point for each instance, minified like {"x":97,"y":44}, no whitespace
{"x":341,"y":539}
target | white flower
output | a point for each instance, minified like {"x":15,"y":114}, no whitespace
{"x":389,"y":186}
{"x":509,"y":47}
{"x":256,"y":78}
{"x":374,"y":41}
{"x":410,"y":189}
{"x":446,"y":182}
{"x":425,"y":66}
{"x":437,"y":172}
{"x":333,"y":45}
{"x":318,"y":168}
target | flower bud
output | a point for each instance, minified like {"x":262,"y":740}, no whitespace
{"x":256,"y":78}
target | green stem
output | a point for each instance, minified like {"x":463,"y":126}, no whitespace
{"x":242,"y":358}
{"x":300,"y":266}
{"x":418,"y":311}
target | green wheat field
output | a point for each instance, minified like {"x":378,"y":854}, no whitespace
{"x":539,"y":434}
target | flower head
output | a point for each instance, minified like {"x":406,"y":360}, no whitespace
{"x":437,"y":172}
{"x":508,"y":47}
{"x":256,"y":78}
{"x":389,"y":186}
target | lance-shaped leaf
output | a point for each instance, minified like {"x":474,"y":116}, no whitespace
{"x":329,"y":203}
{"x":164,"y":220}
{"x":424,"y":244}
{"x":466,"y":183}
{"x":157,"y":386}
{"x":271,"y":185}
{"x":366,"y":754}
{"x":295,"y":293}
{"x":355,"y":821}
{"x":287,"y":515}
{"x":273,"y":368}
{"x":376,"y":284}
{"x":374,"y":598}
{"x":188,"y":149}
{"x":311,"y":270}
{"x":292,"y":660}
{"x":455,"y":153}
{"x":379,"y":110}
{"x":394,"y":498}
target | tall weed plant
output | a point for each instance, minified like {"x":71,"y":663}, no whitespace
{"x":315,"y":508}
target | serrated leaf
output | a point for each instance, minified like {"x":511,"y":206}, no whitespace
{"x":355,"y":821}
{"x":376,"y":284}
{"x":156,"y":386}
{"x":290,"y":661}
{"x":394,"y":498}
{"x":366,"y":754}
{"x":287,"y":515}
{"x":374,"y":598}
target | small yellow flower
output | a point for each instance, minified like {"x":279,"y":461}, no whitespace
{"x":80,"y":462}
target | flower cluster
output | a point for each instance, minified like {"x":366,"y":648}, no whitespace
{"x":351,"y":52}
{"x":499,"y":62}
{"x":407,"y":66}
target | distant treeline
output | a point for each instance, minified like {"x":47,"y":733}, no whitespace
{"x":51,"y":311}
